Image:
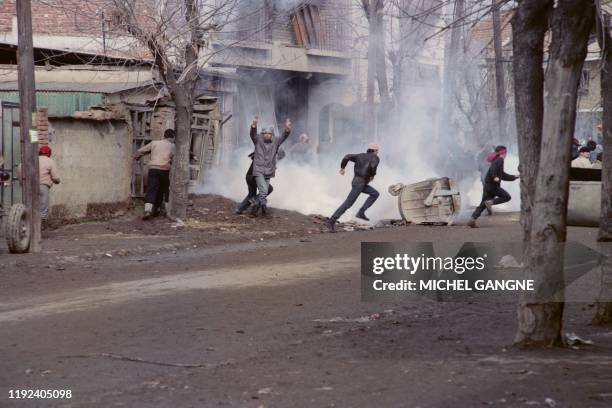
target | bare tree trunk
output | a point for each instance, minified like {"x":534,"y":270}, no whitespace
{"x":179,"y":177}
{"x":183,"y":97}
{"x":371,"y":108}
{"x":603,"y":307}
{"x":603,"y":311}
{"x":397,"y":69}
{"x":529,"y":26}
{"x":500,"y":82}
{"x":450,"y":65}
{"x":381,"y":66}
{"x":540,"y":315}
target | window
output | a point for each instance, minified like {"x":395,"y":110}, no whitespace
{"x":307,"y":27}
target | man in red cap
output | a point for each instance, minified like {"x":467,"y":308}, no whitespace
{"x":365,"y":170}
{"x":48,"y":176}
{"x":492,"y":193}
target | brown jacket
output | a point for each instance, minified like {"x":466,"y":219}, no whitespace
{"x":48,"y":171}
{"x":162,"y":152}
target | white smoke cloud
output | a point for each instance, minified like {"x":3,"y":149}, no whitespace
{"x":408,"y":155}
{"x":320,"y":189}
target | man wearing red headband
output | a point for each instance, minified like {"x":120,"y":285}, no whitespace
{"x":48,"y":176}
{"x":492,"y":193}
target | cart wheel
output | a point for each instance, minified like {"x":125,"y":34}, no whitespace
{"x":18,"y":229}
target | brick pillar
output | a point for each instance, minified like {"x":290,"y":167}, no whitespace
{"x":42,"y":125}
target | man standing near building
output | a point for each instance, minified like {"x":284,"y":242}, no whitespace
{"x":365,"y":170}
{"x":162,"y":152}
{"x":301,"y":152}
{"x":582,"y":161}
{"x":264,"y":160}
{"x":48,"y":176}
{"x":492,"y":193}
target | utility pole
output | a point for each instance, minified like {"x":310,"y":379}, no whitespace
{"x":27,"y":105}
{"x":500,"y":82}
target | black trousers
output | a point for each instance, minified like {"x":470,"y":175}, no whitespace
{"x":491,"y":191}
{"x":358,"y":186}
{"x":158,"y":188}
{"x":252,"y":195}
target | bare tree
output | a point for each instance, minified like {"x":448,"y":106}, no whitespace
{"x":451,"y":56}
{"x":175,"y":38}
{"x":603,"y":313}
{"x":377,"y":69}
{"x":500,"y":86}
{"x":472,"y":101}
{"x":529,"y":26}
{"x":540,"y":315}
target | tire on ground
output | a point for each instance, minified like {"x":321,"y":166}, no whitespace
{"x":18,"y":231}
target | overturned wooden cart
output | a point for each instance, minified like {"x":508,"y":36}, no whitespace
{"x":433,"y":201}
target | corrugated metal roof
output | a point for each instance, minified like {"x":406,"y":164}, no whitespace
{"x":59,"y":103}
{"x":87,"y":87}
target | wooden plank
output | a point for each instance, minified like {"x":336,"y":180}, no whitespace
{"x":318,"y":25}
{"x":312,"y":38}
{"x":310,"y":24}
{"x":296,"y":29}
{"x":200,"y":107}
{"x":300,"y":22}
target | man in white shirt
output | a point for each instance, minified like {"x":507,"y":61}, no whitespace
{"x":582,"y":161}
{"x":158,"y":185}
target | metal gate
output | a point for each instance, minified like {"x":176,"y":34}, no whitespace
{"x":141,"y":135}
{"x":10,"y":151}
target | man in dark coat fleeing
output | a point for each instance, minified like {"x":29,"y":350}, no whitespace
{"x":365,"y":170}
{"x":492,"y":193}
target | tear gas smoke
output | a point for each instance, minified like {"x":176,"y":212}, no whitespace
{"x":318,"y":188}
{"x":407,"y":156}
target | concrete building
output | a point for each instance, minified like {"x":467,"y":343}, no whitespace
{"x":294,"y":59}
{"x":75,"y":25}
{"x":589,"y":107}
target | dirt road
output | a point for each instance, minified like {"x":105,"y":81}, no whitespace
{"x":276,"y":323}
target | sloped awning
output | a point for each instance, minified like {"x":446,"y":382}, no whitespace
{"x":87,"y":87}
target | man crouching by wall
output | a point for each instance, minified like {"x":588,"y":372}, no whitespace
{"x":48,"y":176}
{"x":264,"y":161}
{"x":158,"y":186}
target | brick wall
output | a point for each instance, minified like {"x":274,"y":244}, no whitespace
{"x":78,"y":18}
{"x":42,"y":125}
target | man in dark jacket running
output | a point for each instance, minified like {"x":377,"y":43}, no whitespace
{"x":365,"y":170}
{"x":492,"y":193}
{"x":264,"y":161}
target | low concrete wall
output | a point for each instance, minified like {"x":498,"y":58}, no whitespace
{"x":94,"y":161}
